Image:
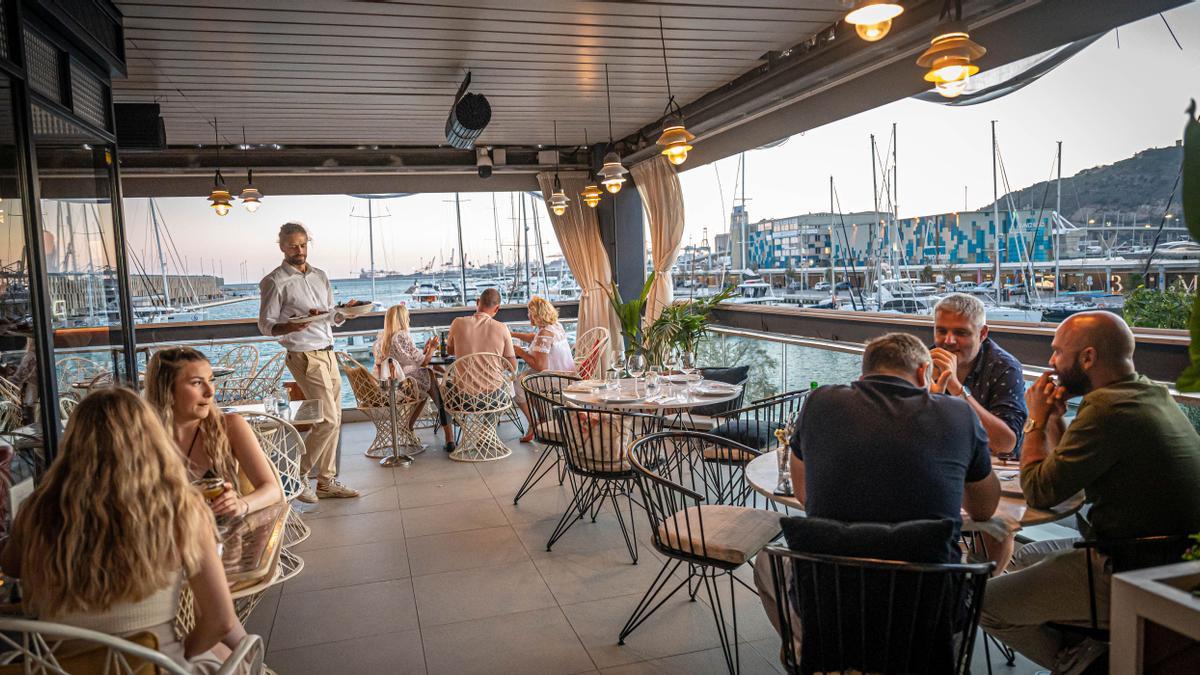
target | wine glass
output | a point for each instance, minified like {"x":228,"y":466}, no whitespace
{"x":670,"y":358}
{"x":637,"y":368}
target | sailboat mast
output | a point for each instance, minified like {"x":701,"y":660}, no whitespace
{"x":162,"y":259}
{"x":1054,"y":223}
{"x":499,"y":250}
{"x":462,"y":251}
{"x":537,"y":232}
{"x":996,"y":213}
{"x":743,"y":222}
{"x":371,"y":241}
{"x":525,"y":229}
{"x":832,"y":248}
{"x":875,"y":224}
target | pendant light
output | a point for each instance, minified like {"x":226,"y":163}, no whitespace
{"x":872,"y":19}
{"x":951,"y":54}
{"x":558,"y":199}
{"x":591,"y":194}
{"x":219,"y":196}
{"x":675,"y":139}
{"x":251,"y":197}
{"x":612,"y":174}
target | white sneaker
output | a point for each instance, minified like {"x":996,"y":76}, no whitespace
{"x":334,"y":489}
{"x":307,"y":495}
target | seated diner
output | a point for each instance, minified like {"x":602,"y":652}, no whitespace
{"x":395,"y":342}
{"x":548,"y":351}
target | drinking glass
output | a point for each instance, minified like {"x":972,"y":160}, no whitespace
{"x":670,"y":359}
{"x":783,"y":456}
{"x":637,"y":368}
{"x":687,"y":362}
{"x":269,"y":405}
{"x":281,"y":402}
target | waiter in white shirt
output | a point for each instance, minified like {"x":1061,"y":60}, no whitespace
{"x":291,"y":291}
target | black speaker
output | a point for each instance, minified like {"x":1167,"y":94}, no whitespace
{"x":139,"y":126}
{"x":468,"y":117}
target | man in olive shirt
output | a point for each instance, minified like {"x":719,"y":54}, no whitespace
{"x":1130,"y":450}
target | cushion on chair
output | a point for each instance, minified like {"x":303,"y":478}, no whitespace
{"x":692,"y":422}
{"x":751,"y":433}
{"x":918,"y":541}
{"x":81,"y":656}
{"x":734,"y":375}
{"x":548,"y":431}
{"x":732,"y":534}
{"x":736,"y":455}
{"x":609,"y":451}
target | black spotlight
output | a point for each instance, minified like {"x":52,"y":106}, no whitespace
{"x":468,"y":117}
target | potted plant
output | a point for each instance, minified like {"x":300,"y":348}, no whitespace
{"x":682,"y":325}
{"x":629,"y":313}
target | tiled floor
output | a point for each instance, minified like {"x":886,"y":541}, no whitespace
{"x":433,"y":570}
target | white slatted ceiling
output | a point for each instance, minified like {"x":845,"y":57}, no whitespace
{"x":313,"y":72}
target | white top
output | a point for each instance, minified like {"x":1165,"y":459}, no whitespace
{"x":287,"y":293}
{"x":552,"y":341}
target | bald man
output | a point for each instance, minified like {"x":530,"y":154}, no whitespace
{"x":1130,"y":450}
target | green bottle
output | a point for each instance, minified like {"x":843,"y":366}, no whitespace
{"x":813,"y":384}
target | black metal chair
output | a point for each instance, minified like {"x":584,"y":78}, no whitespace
{"x":544,"y":392}
{"x":686,"y":498}
{"x":876,"y":616}
{"x":596,"y":450}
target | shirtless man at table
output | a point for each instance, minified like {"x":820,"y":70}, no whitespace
{"x":1130,"y":450}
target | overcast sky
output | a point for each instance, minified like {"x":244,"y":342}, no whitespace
{"x":1105,"y":104}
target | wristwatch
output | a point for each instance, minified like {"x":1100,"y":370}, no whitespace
{"x":1031,"y":426}
{"x":965,"y":393}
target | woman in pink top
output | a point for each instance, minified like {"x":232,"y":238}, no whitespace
{"x":548,"y":351}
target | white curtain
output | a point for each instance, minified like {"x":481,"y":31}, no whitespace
{"x":663,"y":200}
{"x":578,"y":233}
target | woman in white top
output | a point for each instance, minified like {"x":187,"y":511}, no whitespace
{"x":115,"y":527}
{"x":548,"y":350}
{"x":395,"y":342}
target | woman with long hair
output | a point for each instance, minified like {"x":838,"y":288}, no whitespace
{"x":395,"y":342}
{"x":107,"y":539}
{"x":212,"y":444}
{"x":548,"y":350}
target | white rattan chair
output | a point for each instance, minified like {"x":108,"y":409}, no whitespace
{"x":590,"y":350}
{"x":243,"y":390}
{"x":42,"y":647}
{"x":372,"y":398}
{"x":284,"y":447}
{"x":10,"y":415}
{"x":66,"y":406}
{"x":243,"y":359}
{"x":75,"y":369}
{"x":477,"y":395}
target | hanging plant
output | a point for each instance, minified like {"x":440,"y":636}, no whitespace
{"x":1189,"y":380}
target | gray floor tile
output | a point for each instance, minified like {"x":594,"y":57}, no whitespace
{"x":678,"y":627}
{"x":369,"y":501}
{"x":707,"y":662}
{"x":464,"y":595}
{"x":492,"y":547}
{"x":429,"y":493}
{"x":353,"y":529}
{"x":315,"y":617}
{"x":350,"y":566}
{"x":434,"y":464}
{"x":454,"y":517}
{"x":263,"y":617}
{"x":386,"y":653}
{"x":580,"y":577}
{"x":540,"y":641}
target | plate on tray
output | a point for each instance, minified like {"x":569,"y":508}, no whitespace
{"x":715,"y":389}
{"x":621,"y":397}
{"x":356,"y":310}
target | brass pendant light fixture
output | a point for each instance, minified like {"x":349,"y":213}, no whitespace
{"x":591,"y":193}
{"x":219,"y":196}
{"x":952,"y":54}
{"x":675,"y":139}
{"x":558,"y":198}
{"x":612,"y":174}
{"x":872,"y":19}
{"x":251,"y":197}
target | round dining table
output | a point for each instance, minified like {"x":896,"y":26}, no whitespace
{"x":670,"y":398}
{"x":1013,"y":513}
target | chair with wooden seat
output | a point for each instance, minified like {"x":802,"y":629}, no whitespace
{"x":590,"y":350}
{"x":30,"y":646}
{"x":596,"y":451}
{"x":477,"y":395}
{"x":691,"y":523}
{"x":372,"y":398}
{"x":544,"y":393}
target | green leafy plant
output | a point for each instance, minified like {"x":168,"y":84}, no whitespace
{"x":682,"y":325}
{"x":1150,"y":308}
{"x":629,"y":313}
{"x":1189,"y":379}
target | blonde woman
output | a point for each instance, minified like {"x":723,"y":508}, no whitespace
{"x":107,"y":539}
{"x":212,"y":444}
{"x":548,"y":350}
{"x":395,"y":342}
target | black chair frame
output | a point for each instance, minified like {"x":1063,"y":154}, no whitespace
{"x":673,"y":474}
{"x":774,"y":412}
{"x":962,"y":586}
{"x":543,"y":392}
{"x":600,"y":476}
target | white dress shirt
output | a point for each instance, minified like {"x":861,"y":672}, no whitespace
{"x":287,"y":293}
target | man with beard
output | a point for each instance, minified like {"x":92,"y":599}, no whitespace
{"x":1130,"y":450}
{"x":292,"y":291}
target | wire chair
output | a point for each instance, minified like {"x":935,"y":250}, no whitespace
{"x":477,"y":396}
{"x":11,"y":415}
{"x":868,"y":615}
{"x":596,"y":450}
{"x":243,"y":359}
{"x":754,"y":426}
{"x":9,"y":391}
{"x":371,"y":397}
{"x":686,"y":497}
{"x":43,"y":647}
{"x":73,"y":370}
{"x":284,"y":447}
{"x":590,"y":349}
{"x":544,"y":392}
{"x":246,"y":390}
{"x":66,"y":406}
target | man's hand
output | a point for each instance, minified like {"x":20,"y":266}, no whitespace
{"x":1045,"y":400}
{"x":286,"y":328}
{"x":945,"y":363}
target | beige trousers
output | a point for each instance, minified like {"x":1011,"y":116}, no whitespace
{"x":318,"y":377}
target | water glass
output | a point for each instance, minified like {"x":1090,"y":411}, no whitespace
{"x":687,"y":362}
{"x":282,"y":400}
{"x":637,"y":367}
{"x":652,"y":382}
{"x":269,"y":405}
{"x":783,"y":455}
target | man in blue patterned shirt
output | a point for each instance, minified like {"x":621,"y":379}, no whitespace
{"x":970,"y":365}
